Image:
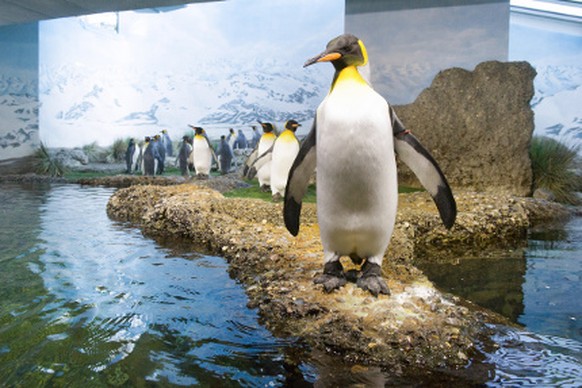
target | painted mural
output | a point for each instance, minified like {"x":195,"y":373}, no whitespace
{"x":19,"y":130}
{"x":216,"y":64}
{"x":409,"y":42}
{"x":554,"y":48}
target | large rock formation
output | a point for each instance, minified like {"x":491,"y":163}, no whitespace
{"x":478,"y":125}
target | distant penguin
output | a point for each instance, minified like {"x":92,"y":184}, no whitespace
{"x":203,"y":154}
{"x":167,"y":141}
{"x":225,"y":155}
{"x":148,"y":159}
{"x":131,"y":156}
{"x":264,"y":171}
{"x":159,"y":154}
{"x":285,"y":149}
{"x":356,"y":133}
{"x":256,"y":137}
{"x":241,"y":140}
{"x":231,"y":138}
{"x":184,"y":156}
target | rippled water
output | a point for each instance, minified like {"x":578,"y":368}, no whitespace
{"x":85,"y":300}
{"x":538,"y":287}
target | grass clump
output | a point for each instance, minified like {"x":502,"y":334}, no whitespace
{"x":118,"y":149}
{"x":47,"y":164}
{"x":554,"y":168}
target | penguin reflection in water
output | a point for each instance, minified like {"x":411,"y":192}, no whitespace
{"x":357,"y":134}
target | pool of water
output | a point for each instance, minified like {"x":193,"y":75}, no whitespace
{"x":538,"y":288}
{"x":83,"y":298}
{"x":87,"y":300}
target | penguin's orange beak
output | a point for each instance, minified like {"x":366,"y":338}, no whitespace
{"x":323,"y":57}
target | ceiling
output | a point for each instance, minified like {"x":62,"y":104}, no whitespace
{"x":26,"y":11}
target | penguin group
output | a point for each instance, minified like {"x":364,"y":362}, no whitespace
{"x":352,"y":146}
{"x":273,"y":157}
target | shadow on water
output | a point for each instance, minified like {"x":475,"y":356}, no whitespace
{"x":84,"y":299}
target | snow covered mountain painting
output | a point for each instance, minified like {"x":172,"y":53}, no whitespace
{"x":554,"y":48}
{"x":217,"y":65}
{"x":558,"y":104}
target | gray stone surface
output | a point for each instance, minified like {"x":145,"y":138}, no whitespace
{"x":478,"y":125}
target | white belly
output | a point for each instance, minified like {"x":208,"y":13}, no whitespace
{"x":357,"y":189}
{"x":283,"y":157}
{"x":202,"y":157}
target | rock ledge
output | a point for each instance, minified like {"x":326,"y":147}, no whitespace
{"x":415,"y":327}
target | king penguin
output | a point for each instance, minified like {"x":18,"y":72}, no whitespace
{"x":357,"y":133}
{"x":285,"y":150}
{"x":149,"y":161}
{"x":203,"y":153}
{"x":259,"y":161}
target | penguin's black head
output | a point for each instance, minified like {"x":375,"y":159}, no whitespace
{"x":198,"y":130}
{"x":267,"y":127}
{"x":342,"y":51}
{"x":292,"y":125}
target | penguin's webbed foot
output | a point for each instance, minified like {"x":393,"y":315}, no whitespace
{"x":332,"y":277}
{"x":371,"y":280}
{"x":277,"y":197}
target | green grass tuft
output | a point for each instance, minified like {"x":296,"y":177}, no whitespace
{"x":118,"y":149}
{"x":45,"y":164}
{"x":554,"y":169}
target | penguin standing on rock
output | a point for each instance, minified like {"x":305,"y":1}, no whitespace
{"x":357,"y":133}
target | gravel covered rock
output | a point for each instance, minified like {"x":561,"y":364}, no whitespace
{"x":415,"y":327}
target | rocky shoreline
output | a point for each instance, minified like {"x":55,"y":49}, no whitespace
{"x":416,"y":327}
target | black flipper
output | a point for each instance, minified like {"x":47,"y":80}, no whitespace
{"x":430,"y":175}
{"x":298,"y":180}
{"x":259,"y":162}
{"x":250,"y":160}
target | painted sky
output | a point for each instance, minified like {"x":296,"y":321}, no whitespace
{"x":183,"y":37}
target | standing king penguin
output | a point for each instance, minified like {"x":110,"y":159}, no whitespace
{"x":357,"y":133}
{"x":285,"y":150}
{"x":203,"y":153}
{"x":259,"y":161}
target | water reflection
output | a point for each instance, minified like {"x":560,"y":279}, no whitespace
{"x":491,"y":282}
{"x":92,"y":300}
{"x":537,"y":288}
{"x":552,"y":282}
